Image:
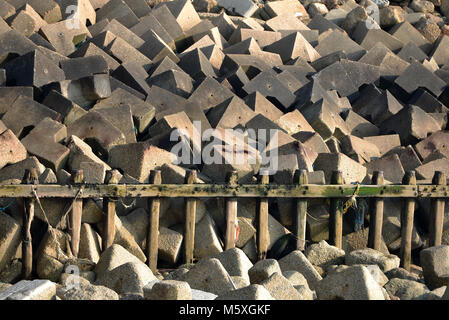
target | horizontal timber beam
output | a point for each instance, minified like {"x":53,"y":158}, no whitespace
{"x":222,"y":191}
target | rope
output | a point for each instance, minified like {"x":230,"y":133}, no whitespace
{"x":130,"y":206}
{"x":60,"y":252}
{"x":362,"y":208}
{"x":80,"y":191}
{"x":316,"y":219}
{"x":352,"y":202}
{"x":3,"y":209}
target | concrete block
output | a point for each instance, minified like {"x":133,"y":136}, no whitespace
{"x":30,"y":290}
{"x":359,"y":126}
{"x":81,"y":152}
{"x":90,"y":243}
{"x":121,"y":117}
{"x":328,"y":162}
{"x":11,"y":149}
{"x":209,"y":94}
{"x":439,"y":52}
{"x":385,"y":143}
{"x":207,"y":241}
{"x":270,"y":86}
{"x":243,"y":8}
{"x":184,"y":12}
{"x":148,"y":23}
{"x":416,"y":76}
{"x":209,"y":275}
{"x":262,"y":270}
{"x":17,"y":171}
{"x":169,"y":245}
{"x":49,"y":10}
{"x":24,"y":71}
{"x":406,"y":33}
{"x":426,"y":171}
{"x":409,"y":158}
{"x":142,"y":112}
{"x":252,"y":292}
{"x":381,"y":105}
{"x":52,"y":254}
{"x":78,"y":68}
{"x":336,"y":41}
{"x":88,"y":291}
{"x":414,"y":124}
{"x":390,"y":165}
{"x":230,"y":113}
{"x":235,"y":262}
{"x":118,"y":9}
{"x":357,"y":281}
{"x":261,"y":105}
{"x":358,"y":149}
{"x":291,"y":7}
{"x":331,"y":77}
{"x":25,"y":113}
{"x":119,"y":49}
{"x":371,"y":256}
{"x":324,"y":118}
{"x":140,"y":7}
{"x":11,"y":239}
{"x":133,"y":75}
{"x":128,"y":278}
{"x":156,"y":49}
{"x":293,"y":46}
{"x":84,"y":91}
{"x":91,"y":49}
{"x":161,"y":98}
{"x":296,"y":261}
{"x":95,"y":127}
{"x":63,"y":37}
{"x":225,"y":25}
{"x":196,"y":64}
{"x":263,"y":38}
{"x":435,"y":266}
{"x":162,"y":66}
{"x":27,"y":21}
{"x":280,"y":288}
{"x":168,"y":21}
{"x":14,"y":42}
{"x":170,"y":290}
{"x":406,"y":289}
{"x":312,"y":140}
{"x":144,"y":157}
{"x":43,"y":142}
{"x":69,"y":110}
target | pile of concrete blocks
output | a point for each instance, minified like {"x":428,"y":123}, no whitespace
{"x":139,"y":85}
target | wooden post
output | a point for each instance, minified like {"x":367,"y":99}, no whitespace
{"x":190,"y":213}
{"x":336,"y":214}
{"x":153,"y":233}
{"x":377,"y":215}
{"x":112,"y":177}
{"x":231,"y":213}
{"x":76,"y":215}
{"x":301,"y":212}
{"x":28,"y":215}
{"x":437,"y":212}
{"x":407,"y":215}
{"x":262,"y":220}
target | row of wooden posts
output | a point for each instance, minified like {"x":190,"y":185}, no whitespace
{"x":300,"y":191}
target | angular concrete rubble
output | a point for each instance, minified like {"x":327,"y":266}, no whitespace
{"x":110,"y":89}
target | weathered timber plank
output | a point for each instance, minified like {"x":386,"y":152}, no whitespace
{"x":225,"y":191}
